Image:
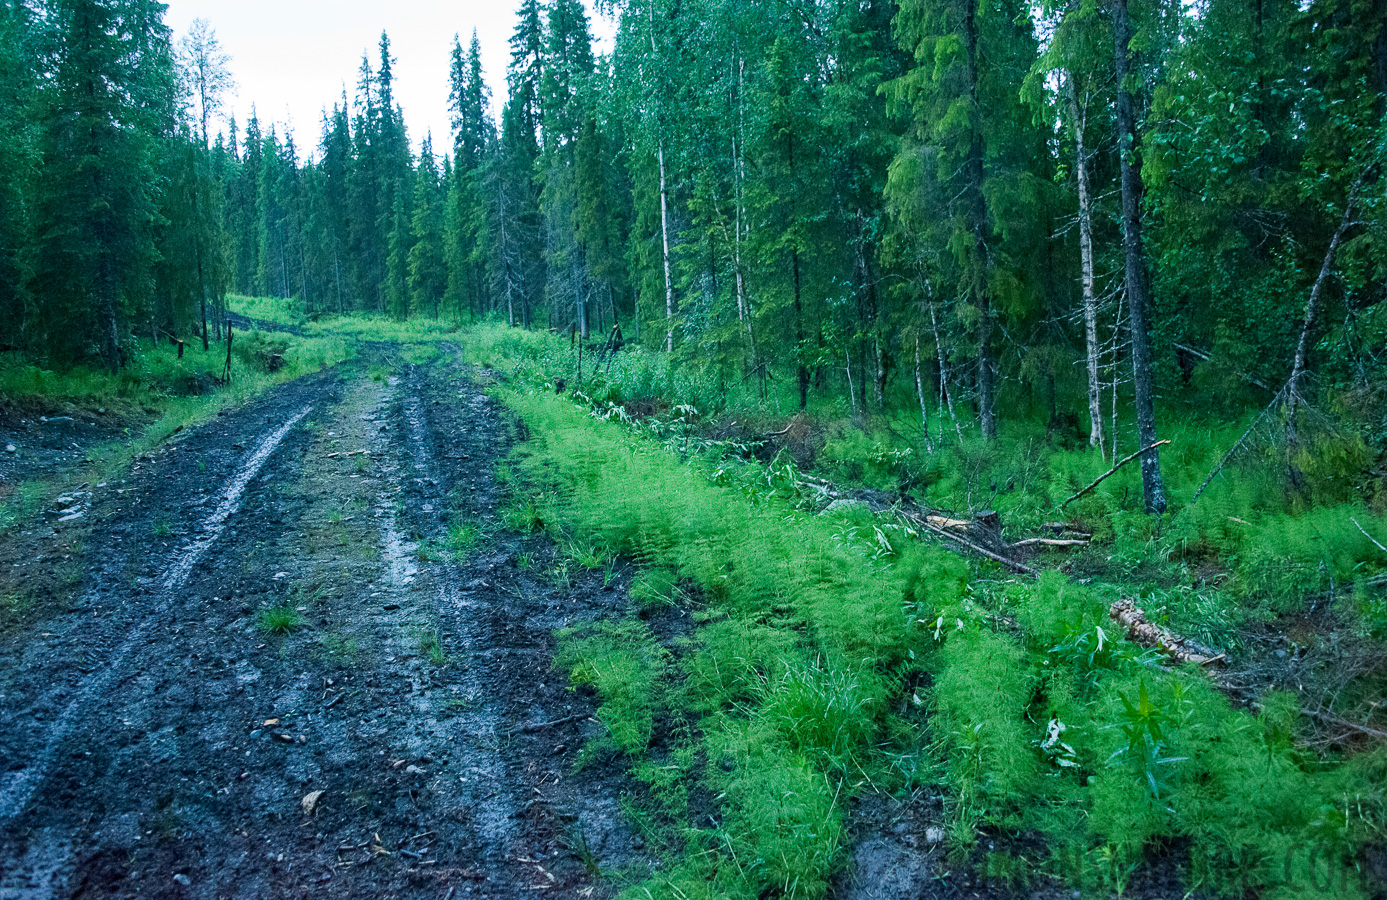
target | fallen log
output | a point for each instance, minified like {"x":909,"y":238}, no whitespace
{"x":1066,"y":528}
{"x":1014,"y":565}
{"x":1148,"y":634}
{"x":1051,"y":542}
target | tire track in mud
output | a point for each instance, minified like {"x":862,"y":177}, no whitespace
{"x":172,"y":781}
{"x":20,"y":785}
{"x":482,"y":724}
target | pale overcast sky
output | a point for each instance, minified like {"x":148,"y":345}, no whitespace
{"x":291,"y":59}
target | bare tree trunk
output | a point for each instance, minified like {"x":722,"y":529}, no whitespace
{"x":943,"y":370}
{"x":987,"y":414}
{"x":739,"y":182}
{"x":580,"y":298}
{"x":664,"y":207}
{"x":743,"y":301}
{"x":920,"y":392}
{"x":852,"y":398}
{"x":1152,"y":485}
{"x":879,"y":357}
{"x":337,"y":275}
{"x":197,"y":251}
{"x":799,"y":334}
{"x":1095,"y":388}
{"x":106,"y":312}
{"x":664,"y":238}
{"x":1292,"y":389}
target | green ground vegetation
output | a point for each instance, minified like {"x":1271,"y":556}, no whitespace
{"x":837,"y":654}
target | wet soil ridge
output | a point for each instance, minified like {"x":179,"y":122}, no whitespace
{"x":19,"y":785}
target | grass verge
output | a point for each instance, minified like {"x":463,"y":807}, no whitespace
{"x":832,"y":658}
{"x":154,"y":396}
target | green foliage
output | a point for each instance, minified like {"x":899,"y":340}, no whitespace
{"x":462,"y":537}
{"x":283,"y":619}
{"x":1042,"y":717}
{"x":823,"y":709}
{"x":263,"y":351}
{"x":783,"y":823}
{"x":13,"y":606}
{"x":982,"y":689}
{"x":431,"y":645}
{"x":627,"y":668}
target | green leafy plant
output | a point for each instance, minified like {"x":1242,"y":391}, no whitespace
{"x":431,"y":645}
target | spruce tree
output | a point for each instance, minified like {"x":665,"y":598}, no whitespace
{"x":100,"y":118}
{"x":426,"y":264}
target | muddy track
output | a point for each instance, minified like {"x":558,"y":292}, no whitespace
{"x":156,"y":738}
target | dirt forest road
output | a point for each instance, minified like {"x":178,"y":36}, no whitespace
{"x":409,"y":738}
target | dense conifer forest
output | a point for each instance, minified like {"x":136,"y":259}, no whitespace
{"x":981,"y":408}
{"x":1057,"y":209}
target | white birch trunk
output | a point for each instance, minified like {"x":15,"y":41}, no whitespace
{"x":1095,"y":387}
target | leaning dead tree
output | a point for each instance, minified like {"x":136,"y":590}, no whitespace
{"x":1289,"y":400}
{"x":1312,"y":306}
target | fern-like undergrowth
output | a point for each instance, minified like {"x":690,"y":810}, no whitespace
{"x":793,"y":684}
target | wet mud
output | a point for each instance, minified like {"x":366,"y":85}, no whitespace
{"x":297,"y":653}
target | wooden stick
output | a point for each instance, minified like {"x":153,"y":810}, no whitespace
{"x":1292,"y":388}
{"x":1012,"y":564}
{"x":1101,"y":478}
{"x":1234,"y":449}
{"x":1343,"y":723}
{"x":1243,"y":375}
{"x":1051,"y":542}
{"x":226,"y":377}
{"x":1366,"y":535}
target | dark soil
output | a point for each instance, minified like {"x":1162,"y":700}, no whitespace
{"x":156,"y":738}
{"x":51,"y":442}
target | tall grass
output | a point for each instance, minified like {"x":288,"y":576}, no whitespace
{"x":1042,"y":723}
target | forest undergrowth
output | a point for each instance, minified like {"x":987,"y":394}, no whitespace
{"x":836,"y":654}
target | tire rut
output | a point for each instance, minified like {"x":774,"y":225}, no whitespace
{"x":192,"y":761}
{"x":19,"y":785}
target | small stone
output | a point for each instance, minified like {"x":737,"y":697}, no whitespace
{"x":310,"y":801}
{"x":413,"y":770}
{"x":182,"y":879}
{"x":10,"y":448}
